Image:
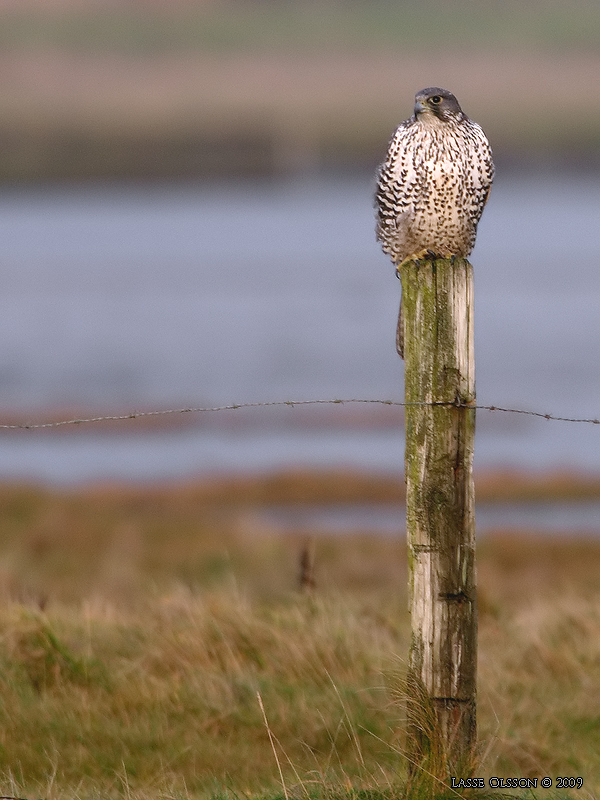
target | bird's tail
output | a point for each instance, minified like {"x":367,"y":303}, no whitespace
{"x":400,"y":332}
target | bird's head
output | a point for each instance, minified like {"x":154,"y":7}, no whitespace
{"x":435,"y":103}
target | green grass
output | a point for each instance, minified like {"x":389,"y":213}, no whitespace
{"x":307,"y":24}
{"x":168,"y":695}
{"x":140,"y":627}
{"x":192,"y":90}
{"x":163,"y":700}
{"x":221,"y":88}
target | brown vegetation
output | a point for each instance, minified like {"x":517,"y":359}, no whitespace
{"x":143,"y":88}
{"x":71,"y":544}
{"x":138,"y":625}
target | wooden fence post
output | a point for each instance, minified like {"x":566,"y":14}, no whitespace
{"x":437,"y":299}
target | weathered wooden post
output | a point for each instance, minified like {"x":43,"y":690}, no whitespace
{"x":437,"y":298}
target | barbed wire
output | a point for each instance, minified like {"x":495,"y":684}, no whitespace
{"x":291,"y":404}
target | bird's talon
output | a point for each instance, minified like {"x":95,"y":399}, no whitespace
{"x":423,"y":255}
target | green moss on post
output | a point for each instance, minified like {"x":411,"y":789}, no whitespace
{"x":437,"y":299}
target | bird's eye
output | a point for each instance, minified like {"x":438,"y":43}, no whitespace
{"x":436,"y":99}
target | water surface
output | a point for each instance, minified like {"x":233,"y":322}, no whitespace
{"x":124,"y":298}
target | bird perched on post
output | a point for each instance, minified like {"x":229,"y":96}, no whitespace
{"x":433,"y":185}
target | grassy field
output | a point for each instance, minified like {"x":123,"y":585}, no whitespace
{"x":143,"y":628}
{"x":180,"y":25}
{"x":191,"y":90}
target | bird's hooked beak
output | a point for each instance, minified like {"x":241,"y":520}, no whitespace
{"x":419,"y":107}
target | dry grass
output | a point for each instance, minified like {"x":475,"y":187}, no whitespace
{"x":187,"y":89}
{"x":122,"y":541}
{"x":195,"y":89}
{"x":167,"y":696}
{"x":138,"y":627}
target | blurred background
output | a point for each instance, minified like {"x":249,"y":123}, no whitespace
{"x":186,"y":220}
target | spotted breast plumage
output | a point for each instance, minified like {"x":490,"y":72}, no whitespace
{"x":434,"y":182}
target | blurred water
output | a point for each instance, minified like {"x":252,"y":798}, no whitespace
{"x":125,"y":297}
{"x":581,"y":519}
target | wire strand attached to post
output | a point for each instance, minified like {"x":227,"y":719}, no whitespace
{"x":290,"y":404}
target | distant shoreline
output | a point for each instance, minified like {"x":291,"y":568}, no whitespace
{"x":324,"y":487}
{"x":97,"y":115}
